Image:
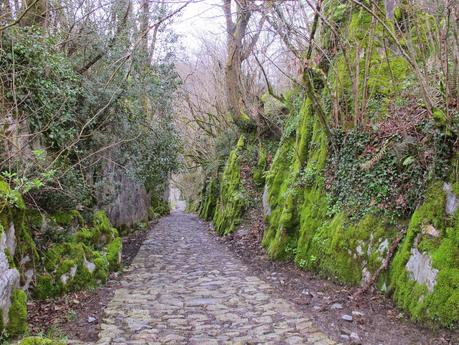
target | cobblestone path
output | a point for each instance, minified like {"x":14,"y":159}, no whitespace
{"x":186,"y":288}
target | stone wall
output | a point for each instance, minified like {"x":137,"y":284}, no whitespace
{"x":131,"y":203}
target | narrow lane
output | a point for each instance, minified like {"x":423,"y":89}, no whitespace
{"x":186,"y":288}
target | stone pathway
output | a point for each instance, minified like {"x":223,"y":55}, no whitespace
{"x":186,"y":288}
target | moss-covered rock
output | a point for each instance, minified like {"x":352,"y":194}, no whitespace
{"x":77,"y":261}
{"x":103,"y":228}
{"x":83,"y":262}
{"x":74,"y":266}
{"x":232,"y":200}
{"x":285,"y":190}
{"x":18,"y":256}
{"x":279,"y":189}
{"x":66,"y":268}
{"x":424,"y":274}
{"x":258,"y":173}
{"x":113,"y":250}
{"x":100,"y":234}
{"x":17,"y":324}
{"x":347,"y":252}
{"x":338,"y":226}
{"x":299,"y":226}
{"x":68,"y":218}
{"x":209,"y":198}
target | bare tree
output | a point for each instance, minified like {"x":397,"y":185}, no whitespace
{"x":239,"y":47}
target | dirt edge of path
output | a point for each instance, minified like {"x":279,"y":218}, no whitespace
{"x":375,"y":319}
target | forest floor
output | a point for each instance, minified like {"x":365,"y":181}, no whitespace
{"x":186,"y":285}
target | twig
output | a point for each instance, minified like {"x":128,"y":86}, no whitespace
{"x":383,"y":267}
{"x":20,"y":17}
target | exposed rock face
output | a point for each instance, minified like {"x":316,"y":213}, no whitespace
{"x":420,"y":268}
{"x":90,"y":266}
{"x":9,"y":279}
{"x":451,"y":199}
{"x":10,"y":239}
{"x":266,"y":207}
{"x":132,"y":200}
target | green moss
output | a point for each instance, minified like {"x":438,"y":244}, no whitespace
{"x":17,"y":323}
{"x":25,"y":245}
{"x":102,"y":268}
{"x":82,"y":262}
{"x":232,"y":200}
{"x":209,"y":198}
{"x":299,"y":226}
{"x":415,"y":298}
{"x":343,"y":250}
{"x":45,"y":287}
{"x":381,"y":72}
{"x":100,"y":234}
{"x":113,"y":250}
{"x":66,"y":270}
{"x":284,"y":183}
{"x":40,"y":341}
{"x":87,"y":236}
{"x":359,"y":25}
{"x":34,"y":219}
{"x":331,"y":252}
{"x":246,"y":123}
{"x":439,"y":116}
{"x":63,"y":259}
{"x":102,"y":223}
{"x":259,"y":170}
{"x":158,"y":208}
{"x":68,"y":218}
{"x":4,"y":187}
{"x":10,"y":259}
{"x":281,"y":198}
{"x":58,"y":252}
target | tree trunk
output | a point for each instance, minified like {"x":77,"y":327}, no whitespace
{"x":237,"y":52}
{"x":233,"y":82}
{"x":37,"y":13}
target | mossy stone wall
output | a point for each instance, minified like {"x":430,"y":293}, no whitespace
{"x":85,"y":260}
{"x":306,"y":225}
{"x":18,"y":255}
{"x":209,"y":198}
{"x":433,"y":233}
{"x":231,"y":201}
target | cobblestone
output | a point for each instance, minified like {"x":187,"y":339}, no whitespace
{"x":186,"y":288}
